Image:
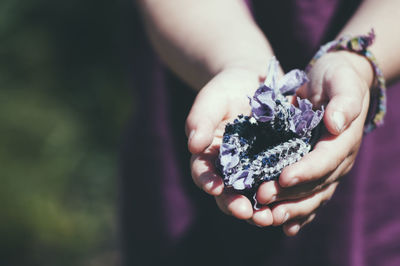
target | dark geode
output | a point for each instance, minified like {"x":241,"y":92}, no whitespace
{"x":256,"y":149}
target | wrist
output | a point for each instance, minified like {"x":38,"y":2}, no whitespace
{"x":352,"y":48}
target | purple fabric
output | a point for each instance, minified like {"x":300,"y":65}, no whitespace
{"x":166,"y":220}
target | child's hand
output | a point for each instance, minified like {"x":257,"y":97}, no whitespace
{"x":341,"y":80}
{"x":220,"y":101}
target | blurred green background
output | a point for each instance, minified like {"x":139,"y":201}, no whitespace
{"x":64,"y":98}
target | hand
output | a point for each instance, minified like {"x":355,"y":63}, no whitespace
{"x":220,"y":101}
{"x":341,"y":80}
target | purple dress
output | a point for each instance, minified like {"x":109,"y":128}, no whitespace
{"x":166,"y":220}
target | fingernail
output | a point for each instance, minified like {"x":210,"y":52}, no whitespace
{"x":286,"y":217}
{"x":294,"y":229}
{"x":208,"y":186}
{"x":206,"y":182}
{"x":338,"y":118}
{"x":191,"y":135}
{"x":271,"y":200}
{"x":294,"y":181}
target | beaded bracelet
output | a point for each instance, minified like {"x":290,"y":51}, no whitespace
{"x":359,"y":45}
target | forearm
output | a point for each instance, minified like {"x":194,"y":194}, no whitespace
{"x":198,"y":39}
{"x":384,"y":17}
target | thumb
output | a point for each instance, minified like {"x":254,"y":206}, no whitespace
{"x":346,"y":101}
{"x":207,"y":112}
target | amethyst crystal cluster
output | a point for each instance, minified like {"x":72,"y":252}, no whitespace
{"x":256,"y":148}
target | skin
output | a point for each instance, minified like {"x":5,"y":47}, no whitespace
{"x":295,"y":205}
{"x":229,"y":72}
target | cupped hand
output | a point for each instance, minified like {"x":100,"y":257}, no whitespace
{"x":221,"y":101}
{"x":341,"y":81}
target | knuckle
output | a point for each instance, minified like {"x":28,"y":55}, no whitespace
{"x":342,"y":72}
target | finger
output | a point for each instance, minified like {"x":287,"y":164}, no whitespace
{"x":284,"y":211}
{"x":271,"y":191}
{"x":322,"y":161}
{"x":345,"y":94}
{"x":204,"y":172}
{"x":235,"y":204}
{"x":262,"y":217}
{"x":267,"y":192}
{"x":205,"y":175}
{"x":293,"y":227}
{"x":208,"y":110}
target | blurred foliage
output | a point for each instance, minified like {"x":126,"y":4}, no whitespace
{"x":64,"y":97}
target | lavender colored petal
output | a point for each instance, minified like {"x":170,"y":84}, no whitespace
{"x":272,"y":74}
{"x":292,"y":81}
{"x":294,"y":114}
{"x":308,"y":116}
{"x":264,"y":89}
{"x":304,"y":104}
{"x":293,"y":110}
{"x":319,"y":114}
{"x":259,"y":111}
{"x":262,"y":113}
{"x":312,"y":118}
{"x":242,"y":180}
{"x":301,"y":128}
{"x":229,"y":156}
{"x":249,"y":181}
{"x":307,"y":119}
{"x":266,"y":98}
{"x":263,"y":104}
